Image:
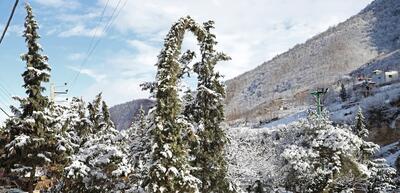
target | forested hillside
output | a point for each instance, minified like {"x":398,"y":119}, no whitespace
{"x":282,"y":85}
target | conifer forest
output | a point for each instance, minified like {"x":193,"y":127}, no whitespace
{"x":321,"y":117}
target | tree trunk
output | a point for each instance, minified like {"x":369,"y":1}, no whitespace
{"x":32,"y":180}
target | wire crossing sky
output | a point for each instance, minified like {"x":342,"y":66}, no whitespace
{"x":114,"y":44}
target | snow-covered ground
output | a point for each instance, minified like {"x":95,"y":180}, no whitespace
{"x":390,"y":152}
{"x":253,"y":152}
{"x":285,"y":120}
{"x":381,"y":97}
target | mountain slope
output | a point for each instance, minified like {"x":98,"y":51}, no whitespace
{"x":124,"y":114}
{"x":281,"y":86}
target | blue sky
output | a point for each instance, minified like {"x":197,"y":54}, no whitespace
{"x":251,"y":32}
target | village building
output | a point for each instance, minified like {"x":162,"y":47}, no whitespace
{"x":380,"y":77}
{"x":363,"y":86}
{"x":391,"y":76}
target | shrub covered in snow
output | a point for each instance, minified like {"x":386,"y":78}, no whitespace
{"x":311,"y":155}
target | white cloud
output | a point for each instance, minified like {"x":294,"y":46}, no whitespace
{"x":81,"y":30}
{"x":251,"y":32}
{"x":68,"y":17}
{"x":98,"y":77}
{"x":76,"y":56}
{"x":117,"y":90}
{"x":69,"y":4}
{"x":130,"y":68}
{"x":146,"y":53}
{"x":14,"y":30}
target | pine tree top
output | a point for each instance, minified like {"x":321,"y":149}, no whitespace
{"x":37,"y":68}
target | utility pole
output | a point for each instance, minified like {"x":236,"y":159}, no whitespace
{"x":318,"y":94}
{"x":54,"y":93}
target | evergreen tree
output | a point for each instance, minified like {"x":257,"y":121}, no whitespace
{"x":101,"y":164}
{"x":343,"y":93}
{"x":106,"y":115}
{"x":359,"y":128}
{"x":209,"y":114}
{"x":321,"y":156}
{"x":170,"y":171}
{"x":382,"y":177}
{"x":32,"y":143}
{"x":95,"y":116}
{"x":142,"y":118}
{"x":78,"y":119}
{"x":139,"y":151}
{"x":66,"y":137}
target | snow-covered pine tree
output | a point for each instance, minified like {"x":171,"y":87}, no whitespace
{"x":343,"y":93}
{"x":208,"y":113}
{"x":106,"y":115}
{"x":31,"y":141}
{"x":139,"y":151}
{"x":3,"y":142}
{"x":359,"y":128}
{"x":66,"y":137}
{"x":101,"y":163}
{"x":382,"y":177}
{"x":78,"y":119}
{"x":188,"y":102}
{"x":142,"y":119}
{"x":170,"y":171}
{"x":95,"y":114}
{"x":321,"y":156}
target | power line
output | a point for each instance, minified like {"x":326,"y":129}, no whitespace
{"x":2,"y":87}
{"x":8,"y":89}
{"x":5,"y":96}
{"x":5,"y":112}
{"x":109,"y":24}
{"x":4,"y":104}
{"x":99,"y":22}
{"x":95,"y":45}
{"x":119,"y":11}
{"x":9,"y":20}
{"x":4,"y":91}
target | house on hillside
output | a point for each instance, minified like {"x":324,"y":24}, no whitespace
{"x":380,"y":77}
{"x":391,"y":76}
{"x":363,"y":86}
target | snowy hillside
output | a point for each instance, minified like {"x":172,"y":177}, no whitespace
{"x":381,"y":108}
{"x":391,"y":153}
{"x":385,"y":62}
{"x":273,"y":89}
{"x":382,"y":111}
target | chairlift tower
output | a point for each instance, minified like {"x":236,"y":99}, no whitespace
{"x":318,"y":94}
